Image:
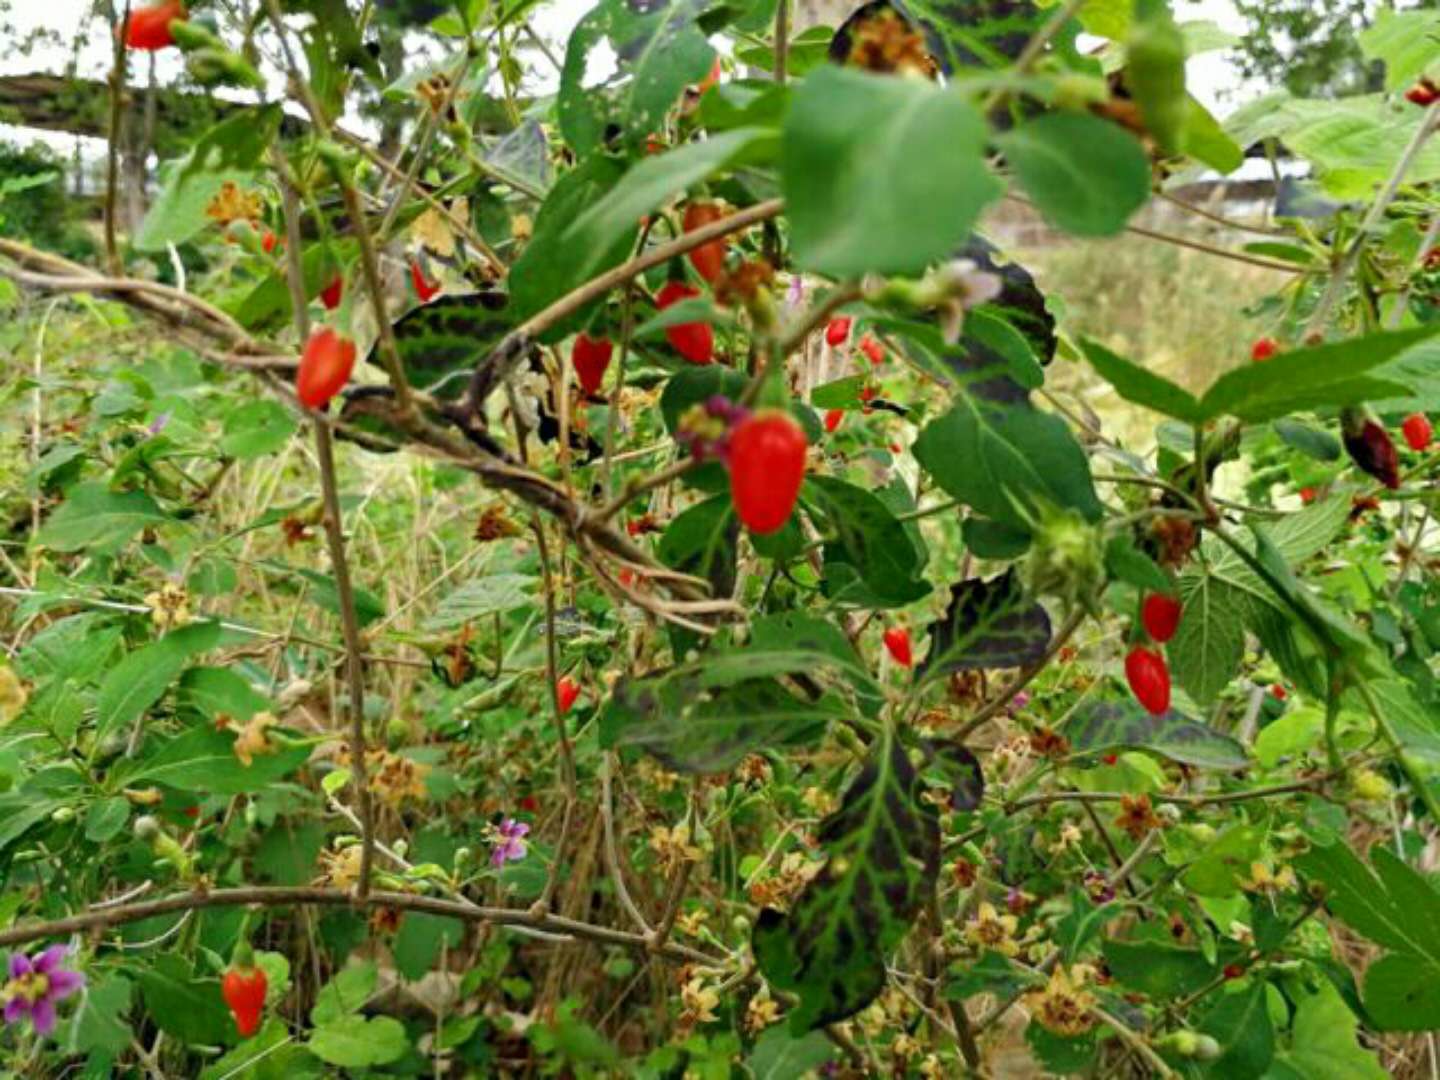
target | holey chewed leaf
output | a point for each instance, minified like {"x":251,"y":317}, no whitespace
{"x":989,"y":624}
{"x":884,"y":855}
{"x":1112,"y":726}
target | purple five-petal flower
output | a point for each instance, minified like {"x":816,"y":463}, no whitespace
{"x":509,"y":842}
{"x":36,"y":984}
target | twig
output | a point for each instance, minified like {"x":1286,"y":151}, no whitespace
{"x":1136,"y":1042}
{"x":1002,"y":700}
{"x":612,"y":850}
{"x":552,"y":676}
{"x":112,"y":166}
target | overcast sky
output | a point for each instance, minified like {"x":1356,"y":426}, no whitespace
{"x":1213,"y":77}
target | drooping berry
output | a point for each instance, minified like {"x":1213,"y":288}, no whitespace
{"x":268,"y":242}
{"x":1161,"y":616}
{"x":837,"y":331}
{"x":694,"y":341}
{"x":567,"y":690}
{"x":244,"y":991}
{"x":425,"y":290}
{"x":767,"y":467}
{"x":873,"y":350}
{"x":149,"y":27}
{"x":897,"y":643}
{"x":325,"y":367}
{"x":590,"y":357}
{"x":1278,"y":692}
{"x":1370,"y":447}
{"x":833,"y":418}
{"x":1233,"y":971}
{"x":1418,"y":431}
{"x":330,"y":295}
{"x":708,"y":259}
{"x":1149,"y":679}
{"x":1264,"y":349}
{"x":1424,"y":93}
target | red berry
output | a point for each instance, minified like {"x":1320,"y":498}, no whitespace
{"x":1111,"y":759}
{"x":325,"y":367}
{"x":567,"y":690}
{"x":897,"y":642}
{"x":330,"y":295}
{"x":425,"y":290}
{"x":708,"y":259}
{"x":149,"y":27}
{"x":837,"y":332}
{"x":1149,"y":679}
{"x":1370,"y":447}
{"x":1418,"y":431}
{"x":867,"y":394}
{"x":1161,"y":616}
{"x":244,"y":991}
{"x":694,"y":341}
{"x":530,"y":804}
{"x":767,"y":467}
{"x":1307,"y":495}
{"x":872,"y":349}
{"x":590,"y":357}
{"x":833,"y":418}
{"x":1233,"y":971}
{"x":268,"y":242}
{"x":1264,"y":349}
{"x":1278,"y":692}
{"x":1424,"y":93}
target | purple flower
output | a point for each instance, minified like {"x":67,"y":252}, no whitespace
{"x":158,"y":424}
{"x":795,"y":294}
{"x":36,"y":984}
{"x":508,"y":838}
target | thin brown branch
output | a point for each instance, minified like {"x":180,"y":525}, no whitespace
{"x":552,"y":676}
{"x":112,"y":164}
{"x":1002,"y":700}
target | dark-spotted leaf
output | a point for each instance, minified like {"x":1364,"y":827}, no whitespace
{"x":989,"y":624}
{"x":1117,"y":726}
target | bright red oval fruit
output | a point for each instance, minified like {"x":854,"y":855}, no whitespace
{"x":694,"y":341}
{"x":833,"y":418}
{"x":149,"y":27}
{"x":872,"y":349}
{"x":1161,"y":616}
{"x":425,"y":290}
{"x":568,"y":691}
{"x":708,"y":259}
{"x":1418,"y":431}
{"x":837,"y":332}
{"x":325,"y":367}
{"x":1424,"y":93}
{"x":897,"y":643}
{"x":1264,"y":349}
{"x":244,"y":991}
{"x":330,"y":295}
{"x":1149,"y":679}
{"x":590,"y":357}
{"x":268,"y":242}
{"x":767,"y":467}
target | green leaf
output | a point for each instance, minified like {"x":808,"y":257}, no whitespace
{"x":1404,"y":41}
{"x":1086,"y":175}
{"x":141,"y":679}
{"x":1227,"y":859}
{"x":1208,"y":645}
{"x":1160,"y":969}
{"x":326,"y":595}
{"x":881,"y":175}
{"x":989,"y":624}
{"x":182,"y":1005}
{"x":347,"y":992}
{"x":654,"y":182}
{"x":494,"y":594}
{"x":883,"y":851}
{"x":1323,"y":1043}
{"x":270,"y":1054}
{"x":1240,"y":1023}
{"x":94,"y":516}
{"x":843,"y":393}
{"x":99,"y":1023}
{"x":256,"y":428}
{"x":870,"y":548}
{"x":220,"y":691}
{"x":778,"y":1055}
{"x":1004,"y":459}
{"x":1126,"y":562}
{"x":1143,"y":387}
{"x":702,"y":540}
{"x":1311,"y":378}
{"x":359,"y":1042}
{"x":706,"y":717}
{"x":203,"y":760}
{"x":1172,"y":735}
{"x":417,"y":945}
{"x":105,"y":818}
{"x":1309,"y":440}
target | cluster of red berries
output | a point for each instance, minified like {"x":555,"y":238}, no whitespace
{"x":1145,"y":669}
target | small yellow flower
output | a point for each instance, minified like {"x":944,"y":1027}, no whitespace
{"x":699,"y":1002}
{"x":232,"y":204}
{"x":340,"y":869}
{"x":169,"y":606}
{"x":991,"y":930}
{"x":819,"y":801}
{"x":1063,"y":1007}
{"x":1263,"y":880}
{"x":692,"y":922}
{"x":905,"y":1046}
{"x":932,"y":1069}
{"x":1070,"y":836}
{"x":762,"y":1011}
{"x":251,"y":740}
{"x":673,"y":845}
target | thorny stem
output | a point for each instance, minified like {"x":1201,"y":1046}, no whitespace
{"x":335,"y":542}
